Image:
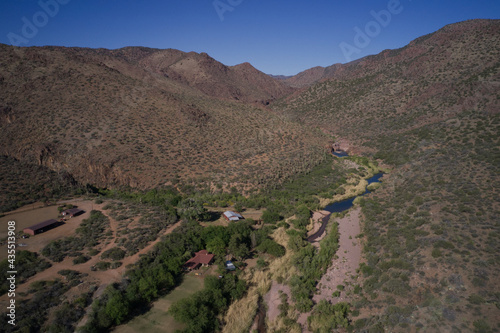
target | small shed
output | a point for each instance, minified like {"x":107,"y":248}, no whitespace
{"x":72,"y":212}
{"x":201,"y":258}
{"x":41,"y":227}
{"x":232,"y":216}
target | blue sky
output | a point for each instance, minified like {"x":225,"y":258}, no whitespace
{"x":277,"y":37}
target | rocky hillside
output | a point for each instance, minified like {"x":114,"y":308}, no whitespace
{"x":199,"y":70}
{"x":311,"y":76}
{"x":430,"y":110}
{"x":435,"y":76}
{"x":144,"y":117}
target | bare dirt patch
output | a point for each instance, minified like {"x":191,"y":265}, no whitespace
{"x":343,"y":268}
{"x":272,"y":299}
{"x":100,"y":278}
{"x":349,"y":256}
{"x":26,"y":218}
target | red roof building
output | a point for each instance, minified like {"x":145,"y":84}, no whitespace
{"x":201,"y":258}
{"x":72,"y":212}
{"x":41,"y":227}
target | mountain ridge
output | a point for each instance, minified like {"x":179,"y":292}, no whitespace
{"x":88,"y":109}
{"x":191,"y":95}
{"x":428,"y":114}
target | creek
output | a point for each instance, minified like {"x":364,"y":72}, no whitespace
{"x":341,"y":206}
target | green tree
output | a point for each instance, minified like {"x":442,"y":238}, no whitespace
{"x":117,"y":307}
{"x":216,"y":246}
{"x":237,"y":247}
{"x":212,"y":232}
{"x":192,"y":209}
{"x":238,"y":207}
{"x":271,"y":247}
{"x":270,"y":217}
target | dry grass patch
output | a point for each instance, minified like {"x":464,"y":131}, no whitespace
{"x":282,"y":268}
{"x":280,"y":324}
{"x":241,"y":314}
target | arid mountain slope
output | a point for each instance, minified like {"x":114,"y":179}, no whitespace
{"x":113,"y":118}
{"x":435,"y":76}
{"x":241,"y":82}
{"x":311,"y":76}
{"x":431,"y":111}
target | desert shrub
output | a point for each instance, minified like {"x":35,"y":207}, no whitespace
{"x":357,"y":289}
{"x":261,"y":263}
{"x":32,"y":313}
{"x":102,"y":265}
{"x":66,"y":317}
{"x":24,"y":183}
{"x":27,"y":264}
{"x":397,"y":287}
{"x":444,"y":245}
{"x":271,"y":247}
{"x":326,"y":317}
{"x":90,"y":231}
{"x":115,"y":264}
{"x":481,"y":326}
{"x":475,"y":299}
{"x":115,"y":254}
{"x":436,"y":253}
{"x":81,"y":259}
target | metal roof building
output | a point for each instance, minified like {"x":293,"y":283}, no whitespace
{"x":232,"y":216}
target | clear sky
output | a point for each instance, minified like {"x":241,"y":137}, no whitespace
{"x":277,"y":37}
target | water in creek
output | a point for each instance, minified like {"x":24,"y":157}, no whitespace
{"x":341,"y":206}
{"x":340,"y":153}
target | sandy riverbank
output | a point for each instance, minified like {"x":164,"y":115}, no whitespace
{"x":344,"y":267}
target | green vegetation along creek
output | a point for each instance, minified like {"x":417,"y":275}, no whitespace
{"x":157,"y":273}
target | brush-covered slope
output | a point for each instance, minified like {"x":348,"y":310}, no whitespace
{"x":431,"y":111}
{"x":110,"y":118}
{"x":438,"y":75}
{"x":199,"y":70}
{"x":311,"y":76}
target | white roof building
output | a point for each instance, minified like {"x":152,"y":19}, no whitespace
{"x":232,"y":216}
